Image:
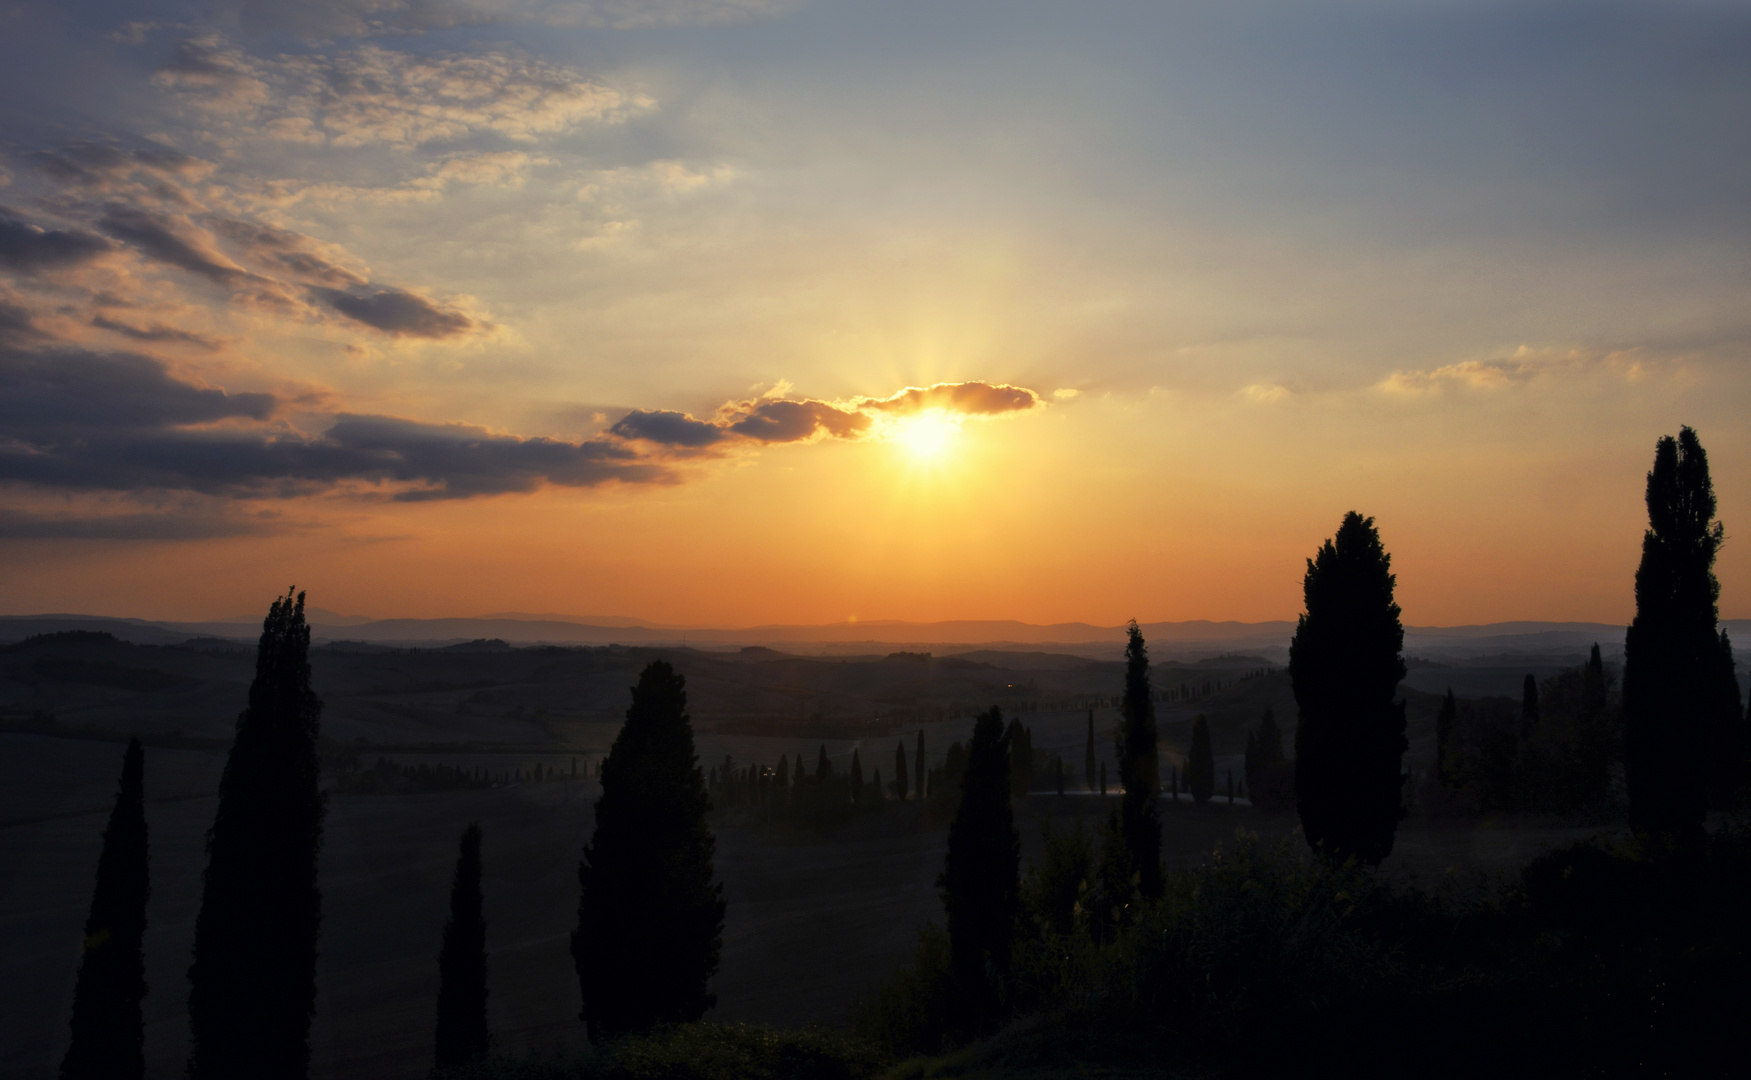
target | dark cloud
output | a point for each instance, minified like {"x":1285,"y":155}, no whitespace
{"x":288,"y":251}
{"x":79,"y":420}
{"x":157,"y":333}
{"x":967,"y":398}
{"x":17,"y":327}
{"x":57,"y":394}
{"x":667,"y":428}
{"x":781,"y":420}
{"x":170,"y":241}
{"x":393,"y":311}
{"x":28,"y":247}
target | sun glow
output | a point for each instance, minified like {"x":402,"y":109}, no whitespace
{"x":926,"y":436}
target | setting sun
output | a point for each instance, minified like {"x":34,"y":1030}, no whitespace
{"x":927,"y":436}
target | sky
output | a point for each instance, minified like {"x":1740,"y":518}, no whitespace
{"x":738,"y":312}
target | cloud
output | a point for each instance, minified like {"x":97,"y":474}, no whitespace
{"x":667,"y":429}
{"x":966,"y":398}
{"x":1517,"y":369}
{"x":62,"y":393}
{"x":294,"y":254}
{"x":100,"y":167}
{"x":30,"y":248}
{"x":372,"y":96}
{"x":171,"y":240}
{"x":157,"y":333}
{"x":777,"y":420}
{"x":398,"y":313}
{"x":319,"y":19}
{"x":1265,"y":393}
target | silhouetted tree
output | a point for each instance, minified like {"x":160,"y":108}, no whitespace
{"x":462,"y":1034}
{"x":1446,"y":722}
{"x":901,"y":783}
{"x":1088,"y":755}
{"x":1020,"y":758}
{"x":981,"y":877}
{"x":650,"y":917}
{"x":1528,"y":706}
{"x":1200,"y":762}
{"x":1728,"y":738}
{"x":921,"y":772}
{"x":823,"y":767}
{"x":1345,"y":666}
{"x":856,"y":777}
{"x":253,"y":981}
{"x":1674,"y":665}
{"x":1103,"y":778}
{"x":1140,"y":768}
{"x":108,"y":1039}
{"x":782,"y":780}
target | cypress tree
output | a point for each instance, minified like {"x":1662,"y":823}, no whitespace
{"x":783,"y":777}
{"x":901,"y":783}
{"x":981,"y":878}
{"x":823,"y":767}
{"x":1592,"y":685}
{"x":1674,"y":666}
{"x":1103,"y":778}
{"x":1528,"y":706}
{"x":1201,"y":763}
{"x":108,"y":1039}
{"x":252,"y":986}
{"x":920,"y":773}
{"x":1088,"y":755}
{"x":856,"y":777}
{"x":1446,"y":721}
{"x":1728,"y":741}
{"x":462,"y":1034}
{"x":1345,"y":666}
{"x":1016,"y":737}
{"x":1140,"y":768}
{"x":650,"y":917}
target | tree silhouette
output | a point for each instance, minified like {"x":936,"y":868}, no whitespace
{"x":253,"y":981}
{"x":1201,"y":763}
{"x":1345,"y":666}
{"x":1088,"y":755}
{"x":901,"y":781}
{"x":108,"y":1040}
{"x":981,"y":878}
{"x":1674,"y":666}
{"x":1140,"y":768}
{"x":650,"y":917}
{"x":856,"y":777}
{"x":1528,"y":706}
{"x":920,"y":774}
{"x":1020,"y":745}
{"x":462,"y":1034}
{"x":1445,"y":730}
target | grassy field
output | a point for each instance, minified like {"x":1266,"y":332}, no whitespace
{"x":813,"y":922}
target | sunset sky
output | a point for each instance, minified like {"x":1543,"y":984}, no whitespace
{"x":730,"y":312}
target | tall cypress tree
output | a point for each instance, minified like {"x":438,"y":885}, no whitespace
{"x":1674,"y":666}
{"x":856,"y":777}
{"x":108,"y":1037}
{"x":462,"y":1033}
{"x":920,"y":775}
{"x":253,"y":981}
{"x":1446,"y":721}
{"x":901,"y":783}
{"x":1729,"y":742}
{"x":981,"y":878}
{"x":1140,"y":768}
{"x":1345,"y":666}
{"x":1201,"y":763}
{"x":650,"y":917}
{"x":1528,"y":706}
{"x":1088,"y":755}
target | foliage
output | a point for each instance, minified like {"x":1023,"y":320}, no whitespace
{"x":1140,"y":767}
{"x":1088,"y":777}
{"x":980,"y":880}
{"x":1270,"y":779}
{"x":650,"y":915}
{"x":909,"y":1014}
{"x":253,"y":981}
{"x":108,"y":1038}
{"x":1345,"y":665}
{"x":462,"y":1033}
{"x":695,"y":1052}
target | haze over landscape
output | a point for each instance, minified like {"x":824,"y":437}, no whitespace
{"x":780,"y":539}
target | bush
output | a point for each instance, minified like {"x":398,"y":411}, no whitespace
{"x":910,"y":1013}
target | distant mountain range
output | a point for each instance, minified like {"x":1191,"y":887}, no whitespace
{"x":1194,"y":639}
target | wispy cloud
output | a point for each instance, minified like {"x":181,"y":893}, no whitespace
{"x":1523,"y":366}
